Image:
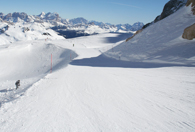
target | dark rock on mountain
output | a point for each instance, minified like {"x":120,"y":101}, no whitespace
{"x":2,"y":30}
{"x":46,"y":34}
{"x":146,"y":25}
{"x":25,"y":29}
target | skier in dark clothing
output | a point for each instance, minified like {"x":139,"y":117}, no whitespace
{"x":17,"y":84}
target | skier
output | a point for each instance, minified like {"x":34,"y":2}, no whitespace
{"x":17,"y":84}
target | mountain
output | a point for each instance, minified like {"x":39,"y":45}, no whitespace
{"x":162,"y":41}
{"x":137,"y":26}
{"x":78,"y":20}
{"x":126,"y":27}
{"x":55,"y":20}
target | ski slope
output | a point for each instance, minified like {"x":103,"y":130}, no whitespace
{"x":88,"y":92}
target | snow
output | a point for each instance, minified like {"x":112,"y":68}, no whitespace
{"x":90,"y":92}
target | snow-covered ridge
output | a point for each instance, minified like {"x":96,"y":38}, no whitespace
{"x":170,"y":7}
{"x":161,"y":42}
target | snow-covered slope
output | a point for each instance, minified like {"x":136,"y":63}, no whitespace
{"x":22,"y":31}
{"x":160,"y":42}
{"x":93,"y":93}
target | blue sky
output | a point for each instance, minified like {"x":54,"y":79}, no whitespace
{"x":107,"y":11}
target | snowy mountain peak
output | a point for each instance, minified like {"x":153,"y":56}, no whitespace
{"x":42,"y":15}
{"x":79,"y":20}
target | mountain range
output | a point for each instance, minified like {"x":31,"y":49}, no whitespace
{"x":55,"y":20}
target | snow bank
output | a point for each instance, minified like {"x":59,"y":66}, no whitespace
{"x":29,"y":59}
{"x":161,"y":42}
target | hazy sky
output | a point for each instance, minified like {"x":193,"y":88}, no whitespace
{"x":107,"y":11}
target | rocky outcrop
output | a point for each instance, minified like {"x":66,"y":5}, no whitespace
{"x":46,"y":34}
{"x":189,"y":32}
{"x":139,"y":31}
{"x":26,"y":29}
{"x":192,"y":3}
{"x":4,"y":29}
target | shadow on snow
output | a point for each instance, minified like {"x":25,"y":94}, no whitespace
{"x":119,"y":37}
{"x":103,"y":61}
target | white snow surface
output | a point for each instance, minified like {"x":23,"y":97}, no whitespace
{"x":88,"y":92}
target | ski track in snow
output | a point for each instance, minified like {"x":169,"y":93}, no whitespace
{"x":94,"y":99}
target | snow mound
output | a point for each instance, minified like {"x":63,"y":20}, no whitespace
{"x":161,"y":42}
{"x":30,"y":59}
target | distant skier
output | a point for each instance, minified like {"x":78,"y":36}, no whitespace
{"x":17,"y":84}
